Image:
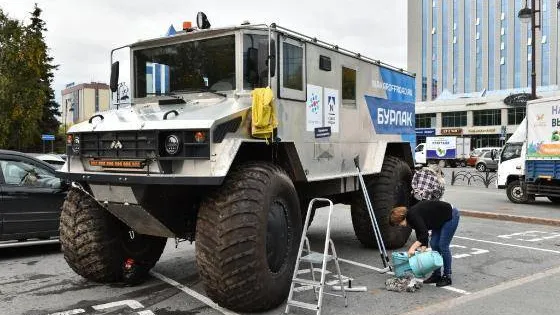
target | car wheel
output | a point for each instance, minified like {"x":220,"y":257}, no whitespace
{"x":481,"y":167}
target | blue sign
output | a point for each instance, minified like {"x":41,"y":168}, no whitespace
{"x":425,"y":132}
{"x":47,"y":137}
{"x":398,"y":86}
{"x":391,"y":117}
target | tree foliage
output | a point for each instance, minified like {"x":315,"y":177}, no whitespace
{"x":27,"y":106}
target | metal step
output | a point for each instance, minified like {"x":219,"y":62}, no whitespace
{"x":306,"y":282}
{"x":315,"y":258}
{"x":299,"y":304}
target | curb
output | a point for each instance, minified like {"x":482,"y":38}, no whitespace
{"x":509,"y":217}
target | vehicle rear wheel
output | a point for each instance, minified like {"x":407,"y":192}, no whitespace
{"x":96,"y":244}
{"x":481,"y":167}
{"x":248,"y":235}
{"x":555,"y":200}
{"x":516,"y":192}
{"x":387,"y":189}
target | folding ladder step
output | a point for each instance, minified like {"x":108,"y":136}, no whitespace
{"x":306,"y":282}
{"x":299,"y":304}
{"x":315,"y":258}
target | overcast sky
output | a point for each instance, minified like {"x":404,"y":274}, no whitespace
{"x":81,"y":33}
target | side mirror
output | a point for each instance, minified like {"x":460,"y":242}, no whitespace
{"x":114,"y":84}
{"x":272,"y":62}
{"x":493,"y":154}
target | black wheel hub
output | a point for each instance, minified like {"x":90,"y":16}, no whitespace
{"x":277,"y":236}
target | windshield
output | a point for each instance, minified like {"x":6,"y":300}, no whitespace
{"x":201,"y":65}
{"x":511,"y":151}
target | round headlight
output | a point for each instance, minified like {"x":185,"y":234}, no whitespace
{"x":76,"y":145}
{"x":200,"y":137}
{"x":172,"y":144}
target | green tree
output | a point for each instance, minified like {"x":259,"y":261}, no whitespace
{"x":26,"y":74}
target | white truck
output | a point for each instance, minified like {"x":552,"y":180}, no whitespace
{"x":529,"y":165}
{"x":443,"y":150}
{"x":180,"y":160}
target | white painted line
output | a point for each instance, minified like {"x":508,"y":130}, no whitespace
{"x":355,"y":263}
{"x":133,"y":304}
{"x":506,"y":244}
{"x":477,"y":251}
{"x":70,"y":312}
{"x":447,"y":307}
{"x":192,"y":293}
{"x":458,"y":256}
{"x":148,"y":312}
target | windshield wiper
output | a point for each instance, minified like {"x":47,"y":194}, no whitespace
{"x":195,"y":90}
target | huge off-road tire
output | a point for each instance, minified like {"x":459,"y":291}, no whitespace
{"x":387,"y":189}
{"x":96,"y":244}
{"x":247,"y":238}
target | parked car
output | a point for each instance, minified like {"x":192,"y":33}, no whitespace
{"x":471,"y":161}
{"x":56,"y":160}
{"x":486,"y":162}
{"x":30,"y":197}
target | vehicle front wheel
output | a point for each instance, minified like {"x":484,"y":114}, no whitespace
{"x":248,"y":233}
{"x":96,"y":244}
{"x":386,"y":190}
{"x":516,"y":192}
{"x":481,"y":167}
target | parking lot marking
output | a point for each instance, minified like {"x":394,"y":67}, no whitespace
{"x":474,"y":251}
{"x":534,"y":236}
{"x":70,"y":312}
{"x":510,"y":245}
{"x":192,"y":293}
{"x":355,"y":263}
{"x":147,"y":312}
{"x":130,"y":303}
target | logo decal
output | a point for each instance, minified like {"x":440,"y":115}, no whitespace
{"x":116,"y":145}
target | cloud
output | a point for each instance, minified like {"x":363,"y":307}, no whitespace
{"x":82,"y":33}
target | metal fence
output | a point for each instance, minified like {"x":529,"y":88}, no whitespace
{"x":473,"y":178}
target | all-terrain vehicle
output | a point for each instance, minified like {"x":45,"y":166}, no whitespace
{"x":176,"y":158}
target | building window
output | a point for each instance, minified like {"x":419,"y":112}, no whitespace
{"x":468,"y":39}
{"x":503,"y":48}
{"x":444,"y":45}
{"x":425,"y":120}
{"x":479,"y":28}
{"x":434,"y":50}
{"x":96,"y":100}
{"x":491,"y":42}
{"x":489,"y":117}
{"x":293,"y":67}
{"x":545,"y":50}
{"x":454,"y":119}
{"x":517,"y":48}
{"x":516,"y":115}
{"x":425,"y":27}
{"x":483,"y":141}
{"x":348,"y":86}
{"x":455,"y":45}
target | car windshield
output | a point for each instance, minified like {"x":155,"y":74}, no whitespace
{"x":202,"y":65}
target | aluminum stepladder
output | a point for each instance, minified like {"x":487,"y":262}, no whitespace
{"x":315,"y":258}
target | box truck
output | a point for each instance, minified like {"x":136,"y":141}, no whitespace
{"x":447,"y":151}
{"x":529,"y":165}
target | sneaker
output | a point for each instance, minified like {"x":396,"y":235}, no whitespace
{"x":443,"y":281}
{"x":434,"y":278}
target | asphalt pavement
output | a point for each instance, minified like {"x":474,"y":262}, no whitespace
{"x":499,"y":268}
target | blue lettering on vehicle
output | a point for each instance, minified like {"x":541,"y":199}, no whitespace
{"x":391,"y":117}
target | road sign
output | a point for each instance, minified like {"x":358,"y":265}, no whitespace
{"x":47,"y":137}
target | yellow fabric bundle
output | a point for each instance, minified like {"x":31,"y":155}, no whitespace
{"x":263,"y":113}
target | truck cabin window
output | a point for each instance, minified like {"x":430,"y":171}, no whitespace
{"x":293,"y":67}
{"x":511,"y":151}
{"x":255,"y":54}
{"x":196,"y":66}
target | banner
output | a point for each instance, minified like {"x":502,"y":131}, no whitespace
{"x":391,"y":117}
{"x":543,"y":132}
{"x":441,"y":147}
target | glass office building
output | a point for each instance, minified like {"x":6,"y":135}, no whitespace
{"x":468,"y":46}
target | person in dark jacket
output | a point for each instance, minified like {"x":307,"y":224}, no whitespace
{"x":440,"y":217}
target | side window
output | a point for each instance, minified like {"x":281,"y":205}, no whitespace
{"x":293,"y":69}
{"x":511,"y":151}
{"x":23,"y":174}
{"x":348,"y":87}
{"x":255,"y":54}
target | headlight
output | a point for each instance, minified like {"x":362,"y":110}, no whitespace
{"x":76,"y":145}
{"x":172,"y":144}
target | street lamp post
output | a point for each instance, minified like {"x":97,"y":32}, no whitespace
{"x":525,"y":15}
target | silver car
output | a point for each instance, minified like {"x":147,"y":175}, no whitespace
{"x":487,"y":162}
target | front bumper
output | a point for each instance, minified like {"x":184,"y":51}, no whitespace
{"x":142,"y":179}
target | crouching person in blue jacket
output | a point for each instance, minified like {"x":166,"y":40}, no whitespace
{"x":440,"y":217}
